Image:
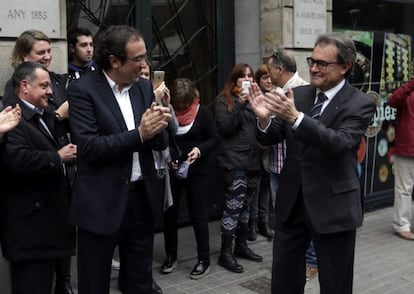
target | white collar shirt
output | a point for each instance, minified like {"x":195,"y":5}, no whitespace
{"x":124,"y":102}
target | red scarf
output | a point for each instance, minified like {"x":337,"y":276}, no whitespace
{"x":187,"y":116}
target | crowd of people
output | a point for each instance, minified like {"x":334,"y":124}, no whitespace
{"x":99,"y":157}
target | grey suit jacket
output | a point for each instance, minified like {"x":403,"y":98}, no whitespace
{"x":321,"y":159}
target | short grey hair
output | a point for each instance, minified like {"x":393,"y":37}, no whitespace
{"x":346,"y":49}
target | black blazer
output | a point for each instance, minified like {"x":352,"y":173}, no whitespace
{"x":104,"y":159}
{"x":321,"y":161}
{"x":35,"y":196}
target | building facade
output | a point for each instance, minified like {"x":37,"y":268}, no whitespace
{"x":203,"y":39}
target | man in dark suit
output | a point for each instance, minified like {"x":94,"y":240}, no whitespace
{"x":117,"y":196}
{"x":319,"y":196}
{"x":35,"y":231}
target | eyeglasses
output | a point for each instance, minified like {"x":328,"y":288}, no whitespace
{"x":321,"y":64}
{"x":139,"y":58}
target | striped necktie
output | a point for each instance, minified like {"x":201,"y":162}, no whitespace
{"x":316,"y":110}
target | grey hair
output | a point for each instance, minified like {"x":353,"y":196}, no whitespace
{"x":346,"y":49}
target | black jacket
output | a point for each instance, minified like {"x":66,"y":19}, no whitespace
{"x":239,"y":149}
{"x":35,"y":195}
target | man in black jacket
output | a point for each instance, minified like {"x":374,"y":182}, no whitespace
{"x":34,"y":218}
{"x":117,"y":195}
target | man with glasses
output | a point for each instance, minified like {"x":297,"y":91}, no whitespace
{"x":319,"y":195}
{"x":117,"y":196}
{"x":283,"y":70}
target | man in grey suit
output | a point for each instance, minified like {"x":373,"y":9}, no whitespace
{"x":117,"y":196}
{"x":319,"y":195}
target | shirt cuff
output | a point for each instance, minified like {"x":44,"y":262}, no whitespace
{"x":298,"y":121}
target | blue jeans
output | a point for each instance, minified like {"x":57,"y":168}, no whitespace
{"x":259,"y":207}
{"x":274,"y":185}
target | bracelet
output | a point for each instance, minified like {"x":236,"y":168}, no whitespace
{"x":294,"y":120}
{"x":58,"y":116}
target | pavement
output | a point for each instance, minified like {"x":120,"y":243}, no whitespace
{"x":384,"y":263}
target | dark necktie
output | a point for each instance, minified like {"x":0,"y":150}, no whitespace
{"x":316,"y":110}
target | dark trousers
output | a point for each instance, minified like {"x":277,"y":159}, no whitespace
{"x":259,"y":207}
{"x":196,"y":190}
{"x":335,"y":254}
{"x":135,"y":244}
{"x":32,"y":276}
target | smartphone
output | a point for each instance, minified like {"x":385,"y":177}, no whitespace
{"x":246,"y":86}
{"x":158,"y":77}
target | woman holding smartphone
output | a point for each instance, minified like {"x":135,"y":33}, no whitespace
{"x":239,"y":159}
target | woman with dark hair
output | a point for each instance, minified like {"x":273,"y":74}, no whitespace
{"x":239,"y":159}
{"x":196,"y":137}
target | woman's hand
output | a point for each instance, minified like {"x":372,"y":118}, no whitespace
{"x":193,"y":155}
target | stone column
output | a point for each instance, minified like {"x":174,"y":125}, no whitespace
{"x":247,"y":32}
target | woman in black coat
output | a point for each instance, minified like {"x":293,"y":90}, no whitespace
{"x":195,"y":139}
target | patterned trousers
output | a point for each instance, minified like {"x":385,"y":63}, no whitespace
{"x":240,"y":187}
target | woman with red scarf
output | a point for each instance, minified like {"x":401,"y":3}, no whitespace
{"x":239,"y":159}
{"x":196,"y":137}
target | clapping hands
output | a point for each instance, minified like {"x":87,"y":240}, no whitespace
{"x":153,"y":121}
{"x":9,"y":118}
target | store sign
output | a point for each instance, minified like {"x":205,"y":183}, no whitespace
{"x":18,"y":15}
{"x":309,"y":21}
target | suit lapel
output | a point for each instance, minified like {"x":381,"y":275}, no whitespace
{"x":137,"y":102}
{"x":30,"y":116}
{"x":335,"y":105}
{"x":306,"y":104}
{"x":109,"y":99}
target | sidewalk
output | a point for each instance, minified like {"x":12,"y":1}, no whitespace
{"x":384,"y":263}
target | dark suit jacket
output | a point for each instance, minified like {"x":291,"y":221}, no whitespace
{"x":321,"y":159}
{"x":35,"y":196}
{"x":105,"y":148}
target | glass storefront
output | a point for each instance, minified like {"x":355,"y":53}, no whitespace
{"x":383,"y":36}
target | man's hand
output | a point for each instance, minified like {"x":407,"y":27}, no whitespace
{"x":68,"y":153}
{"x":153,"y":121}
{"x":281,"y":104}
{"x":160,"y":90}
{"x":9,"y":118}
